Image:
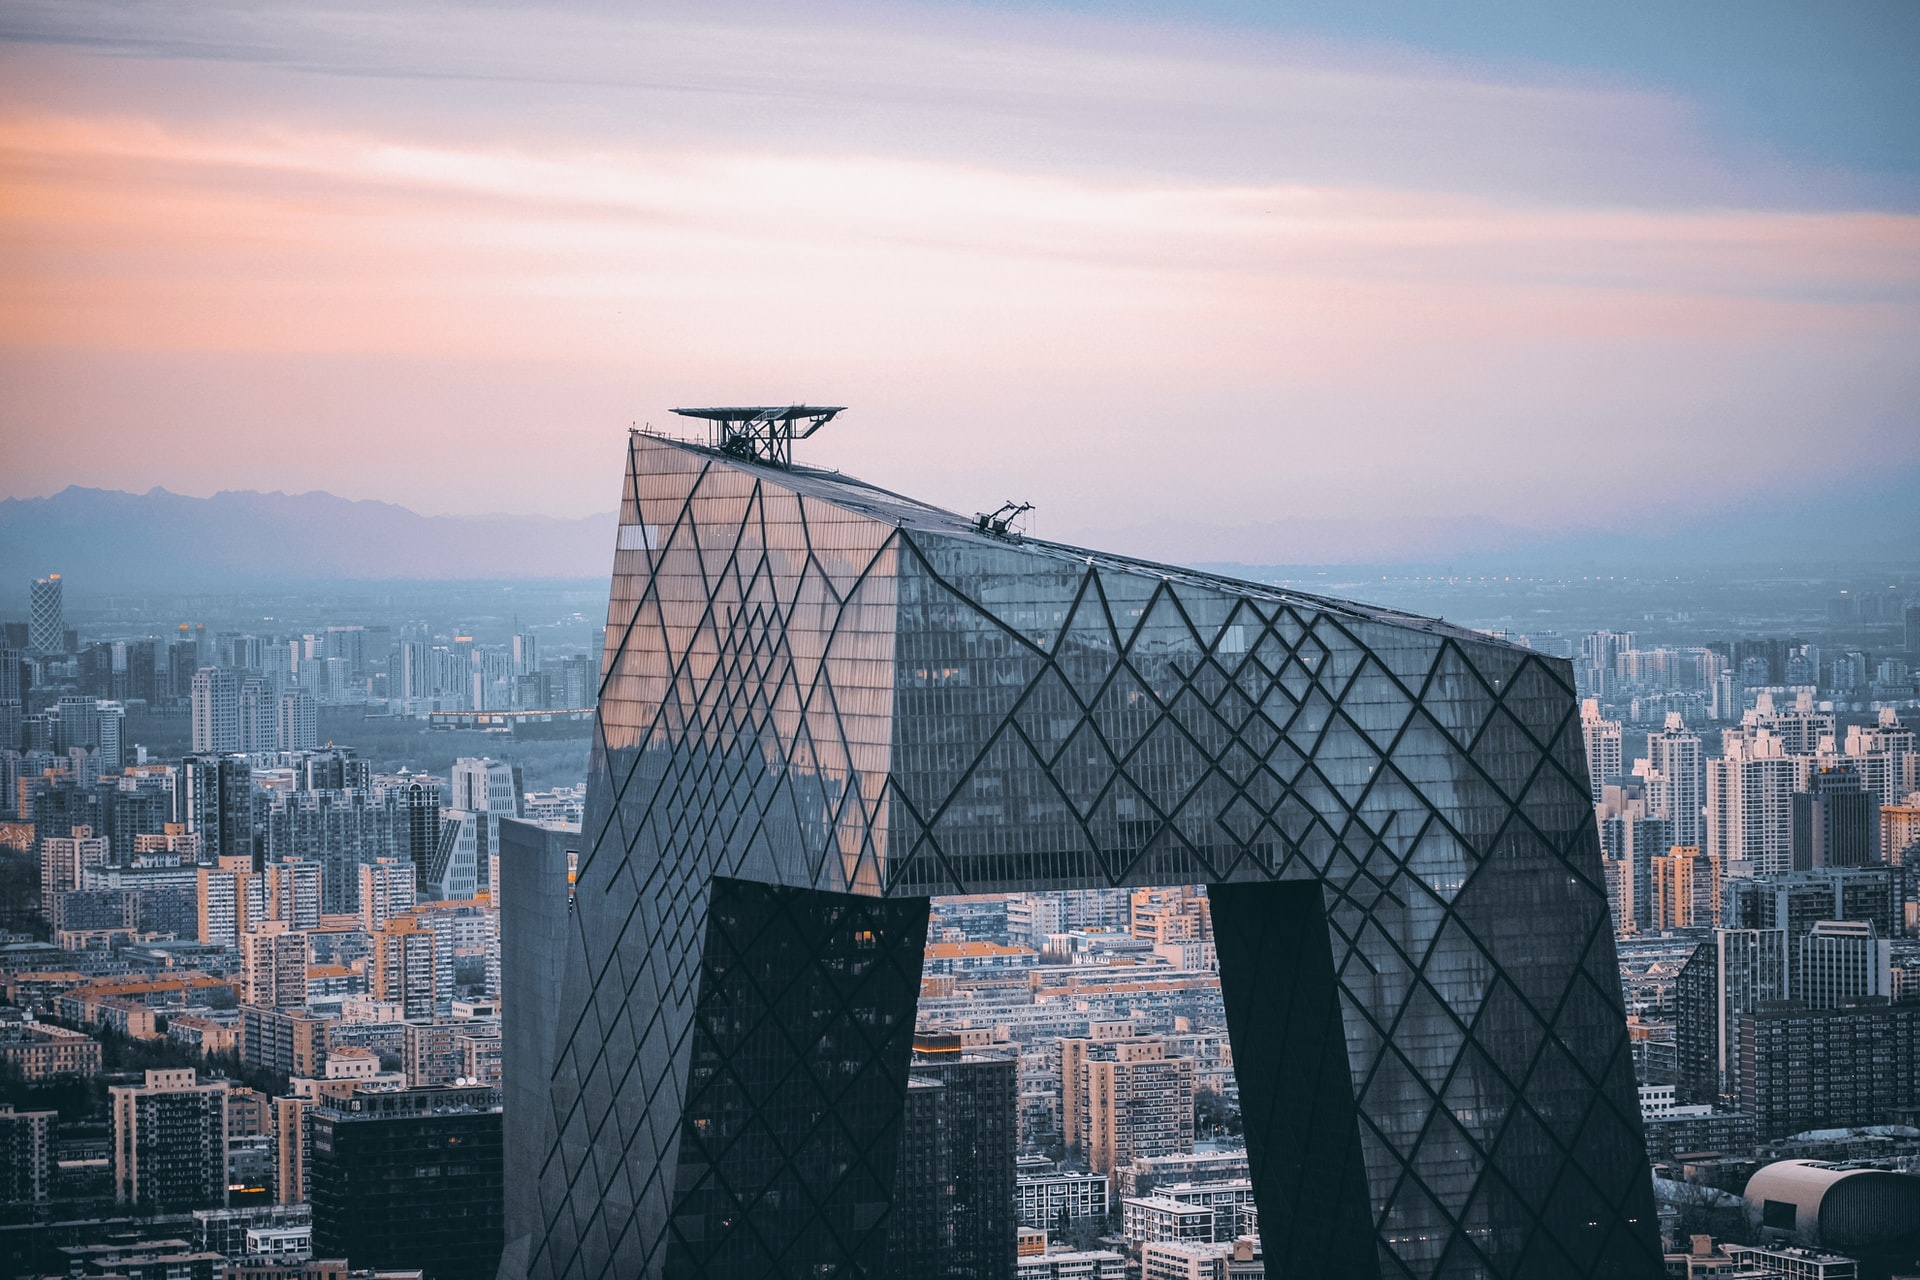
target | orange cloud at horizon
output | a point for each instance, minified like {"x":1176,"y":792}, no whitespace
{"x":121,"y":234}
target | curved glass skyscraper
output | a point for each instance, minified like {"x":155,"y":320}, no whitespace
{"x":823,"y":702}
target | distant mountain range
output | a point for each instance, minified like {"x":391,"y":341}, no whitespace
{"x":1872,"y":520}
{"x":105,"y":540}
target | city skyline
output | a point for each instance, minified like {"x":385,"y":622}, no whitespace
{"x":1353,"y":261}
{"x":378,"y":970}
{"x":1340,"y":695}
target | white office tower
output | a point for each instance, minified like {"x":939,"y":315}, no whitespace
{"x":484,"y":791}
{"x":47,"y":619}
{"x":1603,"y":746}
{"x":526,"y":654}
{"x":453,"y":869}
{"x":1840,"y":962}
{"x":1750,"y":804}
{"x":486,"y":785}
{"x":1676,"y":781}
{"x":216,"y":710}
{"x":296,"y":722}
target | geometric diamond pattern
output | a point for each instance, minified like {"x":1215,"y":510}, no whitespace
{"x":799,"y":1070}
{"x":816,"y":684}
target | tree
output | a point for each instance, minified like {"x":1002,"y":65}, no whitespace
{"x":1214,"y":1113}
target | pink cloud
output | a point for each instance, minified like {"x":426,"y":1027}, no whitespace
{"x":304,"y":285}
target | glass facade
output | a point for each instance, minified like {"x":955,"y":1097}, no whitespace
{"x":816,"y":686}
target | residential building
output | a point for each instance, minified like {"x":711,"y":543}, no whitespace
{"x":1183,"y":1167}
{"x":1677,"y":781}
{"x":1750,"y":805}
{"x":1842,"y":962}
{"x":407,"y":965}
{"x":1900,"y":832}
{"x":1163,"y":1218}
{"x":214,"y":797}
{"x":1603,"y":745}
{"x":273,"y":960}
{"x":170,"y":1142}
{"x":257,"y":732}
{"x":1780,"y":1261}
{"x":290,"y":1149}
{"x":435,"y":1055}
{"x":1802,"y":1068}
{"x":955,"y":1210}
{"x":386,"y":891}
{"x":335,"y":829}
{"x":294,"y":893}
{"x":1879,"y":753}
{"x":1132,"y":1099}
{"x":1736,"y":973}
{"x":296,"y":721}
{"x":1702,"y":1127}
{"x":284,"y":1040}
{"x":232,"y":900}
{"x":26,"y":1155}
{"x":65,"y":860}
{"x":1686,"y":890}
{"x":416,"y":824}
{"x":1074,"y":1264}
{"x":1173,"y":1260}
{"x":1044,"y":1198}
{"x":1795,"y":902}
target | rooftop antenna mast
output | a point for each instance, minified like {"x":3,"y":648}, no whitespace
{"x":763,"y":433}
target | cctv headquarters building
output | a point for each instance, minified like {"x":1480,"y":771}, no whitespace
{"x":823,"y":703}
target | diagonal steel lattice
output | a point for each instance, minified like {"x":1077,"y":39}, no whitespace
{"x":823,"y":702}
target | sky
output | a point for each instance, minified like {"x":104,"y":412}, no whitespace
{"x":1192,"y":278}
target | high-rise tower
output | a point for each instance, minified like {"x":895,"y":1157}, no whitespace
{"x":822,"y":702}
{"x":46,"y":616}
{"x":1677,"y":781}
{"x":216,"y":710}
{"x":1603,"y":743}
